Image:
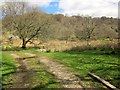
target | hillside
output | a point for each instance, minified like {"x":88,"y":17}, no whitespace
{"x":63,"y":28}
{"x":73,"y":27}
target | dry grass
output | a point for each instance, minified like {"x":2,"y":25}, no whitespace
{"x":57,"y":45}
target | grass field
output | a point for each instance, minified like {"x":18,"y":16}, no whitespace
{"x":102,"y":63}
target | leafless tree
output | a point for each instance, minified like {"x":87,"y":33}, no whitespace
{"x":88,"y":28}
{"x":24,"y":21}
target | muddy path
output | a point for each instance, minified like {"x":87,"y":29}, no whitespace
{"x":23,"y":73}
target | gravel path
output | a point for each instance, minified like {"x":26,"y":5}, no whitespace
{"x":67,"y":79}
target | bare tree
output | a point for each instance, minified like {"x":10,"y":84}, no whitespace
{"x":26,"y":23}
{"x":88,"y":28}
{"x":117,"y":30}
{"x":17,"y":8}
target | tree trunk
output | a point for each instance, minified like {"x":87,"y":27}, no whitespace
{"x":88,"y":45}
{"x":23,"y":44}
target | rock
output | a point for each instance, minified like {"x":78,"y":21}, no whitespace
{"x":42,"y":50}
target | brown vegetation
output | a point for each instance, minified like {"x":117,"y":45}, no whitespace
{"x":59,"y":31}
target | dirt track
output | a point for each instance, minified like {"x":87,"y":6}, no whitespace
{"x":21,"y":75}
{"x":67,"y":79}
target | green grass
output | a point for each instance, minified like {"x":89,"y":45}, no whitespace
{"x":0,"y":68}
{"x":42,"y":78}
{"x":102,"y":63}
{"x":9,"y":65}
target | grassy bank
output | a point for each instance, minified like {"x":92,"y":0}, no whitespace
{"x":9,"y":66}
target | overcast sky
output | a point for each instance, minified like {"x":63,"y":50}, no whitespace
{"x":94,"y":8}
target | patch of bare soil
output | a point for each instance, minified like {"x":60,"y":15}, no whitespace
{"x":67,"y":78}
{"x":31,"y":55}
{"x":16,"y":56}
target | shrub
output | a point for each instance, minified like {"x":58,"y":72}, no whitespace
{"x":6,"y":48}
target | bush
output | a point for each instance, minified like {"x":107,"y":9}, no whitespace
{"x":6,"y":48}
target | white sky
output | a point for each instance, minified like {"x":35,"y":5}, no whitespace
{"x":90,"y":7}
{"x":82,"y":7}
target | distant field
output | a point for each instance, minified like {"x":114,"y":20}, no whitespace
{"x":102,"y":63}
{"x":62,"y":45}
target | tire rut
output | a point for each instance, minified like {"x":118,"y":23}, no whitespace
{"x":21,"y":74}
